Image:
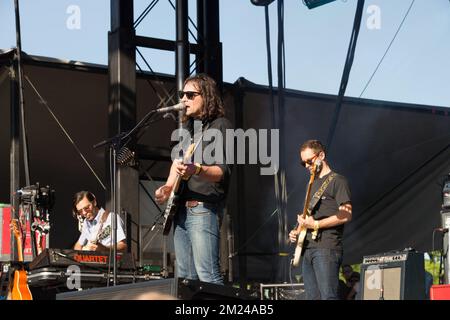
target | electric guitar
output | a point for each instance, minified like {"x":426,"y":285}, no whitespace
{"x":20,"y":290}
{"x":300,"y":229}
{"x":173,"y":202}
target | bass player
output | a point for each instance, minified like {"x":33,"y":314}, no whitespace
{"x":328,"y":210}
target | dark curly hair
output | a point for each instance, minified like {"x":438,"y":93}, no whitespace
{"x":212,"y":102}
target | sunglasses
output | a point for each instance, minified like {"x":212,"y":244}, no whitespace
{"x":86,"y":208}
{"x":189,"y":94}
{"x":309,"y":161}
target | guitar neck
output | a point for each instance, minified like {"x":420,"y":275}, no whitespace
{"x":15,"y":228}
{"x":178,"y":178}
{"x":176,"y":184}
{"x":19,"y":249}
{"x":308,"y":193}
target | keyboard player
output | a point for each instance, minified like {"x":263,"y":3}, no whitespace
{"x":96,"y":227}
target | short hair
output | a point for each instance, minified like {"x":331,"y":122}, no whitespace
{"x":213,"y":105}
{"x":314,"y":145}
{"x":80,"y":196}
{"x":347,"y":267}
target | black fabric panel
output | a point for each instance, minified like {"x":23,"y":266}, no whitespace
{"x":394,"y":156}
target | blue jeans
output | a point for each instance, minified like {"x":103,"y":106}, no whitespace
{"x":320,"y":268}
{"x":197,"y":242}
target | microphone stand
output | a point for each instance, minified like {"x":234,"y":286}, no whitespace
{"x":115,"y":144}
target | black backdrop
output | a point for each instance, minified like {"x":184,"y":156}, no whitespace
{"x":394,"y":155}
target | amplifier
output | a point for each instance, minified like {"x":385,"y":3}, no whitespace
{"x":83,"y":259}
{"x":59,"y":277}
{"x":440,"y":292}
{"x":393,"y":276}
{"x":387,"y":258}
{"x":162,"y":289}
{"x":445,"y":218}
{"x":199,"y":290}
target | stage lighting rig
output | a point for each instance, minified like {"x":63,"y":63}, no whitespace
{"x":261,"y":2}
{"x":311,"y":4}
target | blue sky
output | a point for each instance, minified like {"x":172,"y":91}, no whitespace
{"x":416,"y":68}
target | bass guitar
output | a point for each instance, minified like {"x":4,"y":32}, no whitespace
{"x":301,"y":230}
{"x":20,"y":290}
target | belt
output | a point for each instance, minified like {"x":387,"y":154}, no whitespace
{"x":193,"y":203}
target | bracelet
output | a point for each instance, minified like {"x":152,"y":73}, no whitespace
{"x":316,"y":225}
{"x":198,"y":168}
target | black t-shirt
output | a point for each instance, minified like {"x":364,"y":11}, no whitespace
{"x":199,"y":189}
{"x":336,"y":194}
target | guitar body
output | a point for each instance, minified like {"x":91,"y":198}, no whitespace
{"x":299,"y":247}
{"x":20,"y":289}
{"x":301,"y":230}
{"x":173,"y":204}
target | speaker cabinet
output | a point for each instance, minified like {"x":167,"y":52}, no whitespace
{"x":393,"y":276}
{"x":164,"y":289}
{"x":198,"y":290}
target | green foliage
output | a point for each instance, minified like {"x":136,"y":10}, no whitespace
{"x":432,"y":265}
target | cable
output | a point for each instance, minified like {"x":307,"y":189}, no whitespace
{"x":26,"y":158}
{"x":346,"y":72}
{"x":390,"y":44}
{"x":254,"y":234}
{"x":65,"y":132}
{"x":276,"y":177}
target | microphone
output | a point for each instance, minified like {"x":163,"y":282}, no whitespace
{"x":177,"y":107}
{"x":318,"y":164}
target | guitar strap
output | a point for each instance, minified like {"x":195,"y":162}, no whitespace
{"x":316,"y":197}
{"x":105,"y":215}
{"x":201,"y":136}
{"x":196,"y":144}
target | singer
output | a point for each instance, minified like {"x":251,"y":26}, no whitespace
{"x":204,"y":187}
{"x":322,"y":253}
{"x":96,"y":228}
